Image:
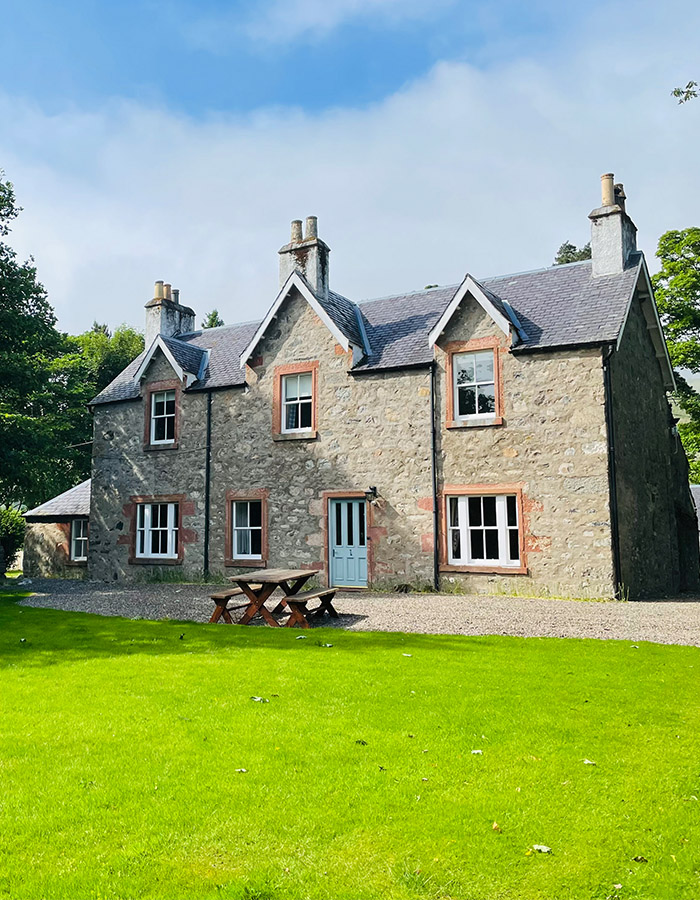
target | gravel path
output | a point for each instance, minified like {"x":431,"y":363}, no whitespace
{"x":664,"y":621}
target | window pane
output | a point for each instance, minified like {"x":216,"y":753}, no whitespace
{"x":476,"y":541}
{"x":255,"y":512}
{"x":291,"y":387}
{"x":467,"y":401}
{"x":512,"y":510}
{"x":241,"y":513}
{"x":176,"y":513}
{"x":456,"y":544}
{"x":170,"y":428}
{"x":305,"y":414}
{"x":158,"y":405}
{"x":487,"y":398}
{"x":475,"y":511}
{"x":361,"y":514}
{"x":155,"y":544}
{"x":142,"y":542}
{"x":338,"y":525}
{"x":140,"y":513}
{"x":484,"y":366}
{"x":176,"y":539}
{"x":489,"y":510}
{"x":159,"y":430}
{"x":243,"y":542}
{"x":454,"y":512}
{"x":256,"y":542}
{"x":491,"y":543}
{"x":292,"y":420}
{"x":464,"y":369}
{"x":170,"y":403}
{"x":351,"y":535}
{"x":305,"y":385}
{"x":514,"y":543}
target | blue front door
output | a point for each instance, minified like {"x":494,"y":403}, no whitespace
{"x":348,"y":543}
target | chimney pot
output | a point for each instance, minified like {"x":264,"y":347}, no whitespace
{"x":176,"y":295}
{"x":311,"y":228}
{"x":607,"y":189}
{"x":168,"y":288}
{"x":297,"y":236}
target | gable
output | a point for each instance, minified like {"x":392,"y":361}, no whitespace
{"x":498,"y":310}
{"x":469,"y":321}
{"x":331,"y":311}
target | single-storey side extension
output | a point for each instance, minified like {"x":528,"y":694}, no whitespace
{"x":56,"y":541}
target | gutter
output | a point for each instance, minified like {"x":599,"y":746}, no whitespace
{"x":612,"y":475}
{"x":433,"y":457}
{"x":207,"y":491}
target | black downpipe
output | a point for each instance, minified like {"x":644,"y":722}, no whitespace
{"x":612,"y":476}
{"x":207,"y":489}
{"x":433,"y":453}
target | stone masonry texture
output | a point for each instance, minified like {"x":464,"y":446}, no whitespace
{"x":374,"y":429}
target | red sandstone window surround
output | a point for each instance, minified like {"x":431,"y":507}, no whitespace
{"x":483,"y":529}
{"x":157,"y":534}
{"x":474,"y":388}
{"x":295,"y":401}
{"x":246,"y":532}
{"x":162,"y":403}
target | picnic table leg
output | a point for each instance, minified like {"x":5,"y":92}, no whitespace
{"x":290,"y":590}
{"x":257,"y":604}
{"x":297,"y":615}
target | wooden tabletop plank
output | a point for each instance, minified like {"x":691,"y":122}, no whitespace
{"x":272,"y":576}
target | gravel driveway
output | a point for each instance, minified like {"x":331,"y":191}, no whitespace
{"x":664,"y":621}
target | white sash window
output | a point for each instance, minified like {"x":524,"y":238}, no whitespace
{"x":79,"y":540}
{"x":163,"y":417}
{"x":247,"y":529}
{"x":297,"y":402}
{"x":483,"y":530}
{"x":157,"y":530}
{"x":474,"y":385}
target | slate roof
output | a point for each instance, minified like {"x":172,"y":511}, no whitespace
{"x":556,"y":307}
{"x":73,"y":502}
{"x":189,"y":356}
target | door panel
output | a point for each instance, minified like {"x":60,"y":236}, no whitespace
{"x":348,"y":543}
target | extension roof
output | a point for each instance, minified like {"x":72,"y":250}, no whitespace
{"x":557,"y":307}
{"x":73,"y":502}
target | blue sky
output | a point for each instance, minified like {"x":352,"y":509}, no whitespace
{"x":200,"y":58}
{"x":175,"y":141}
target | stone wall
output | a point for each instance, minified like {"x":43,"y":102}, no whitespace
{"x":657,"y":524}
{"x":122,"y":468}
{"x":372,"y":430}
{"x":47,"y":551}
{"x":553,"y":444}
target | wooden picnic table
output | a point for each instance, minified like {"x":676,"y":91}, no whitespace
{"x":259,"y":585}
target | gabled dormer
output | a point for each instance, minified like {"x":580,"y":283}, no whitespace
{"x":304,"y":271}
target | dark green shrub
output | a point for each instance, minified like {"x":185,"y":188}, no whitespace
{"x":12,"y":528}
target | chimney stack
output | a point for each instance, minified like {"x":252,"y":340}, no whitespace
{"x":165,"y":316}
{"x":613,"y":233}
{"x":306,"y":254}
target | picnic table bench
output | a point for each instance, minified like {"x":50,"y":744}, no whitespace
{"x":259,"y":586}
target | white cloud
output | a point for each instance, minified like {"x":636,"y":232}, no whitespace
{"x":462,"y":170}
{"x":284,"y":21}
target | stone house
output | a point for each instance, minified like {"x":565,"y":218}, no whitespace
{"x":509,"y":434}
{"x":56,"y":537}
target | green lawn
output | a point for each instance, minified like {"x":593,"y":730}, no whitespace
{"x":120,"y":743}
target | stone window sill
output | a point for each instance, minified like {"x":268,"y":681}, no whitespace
{"x":247,"y":563}
{"x":77,"y":563}
{"x":486,"y":570}
{"x":150,"y":447}
{"x":309,"y":435}
{"x":483,"y":422}
{"x":154,"y":561}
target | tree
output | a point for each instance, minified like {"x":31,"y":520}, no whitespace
{"x":29,"y":343}
{"x":46,"y":381}
{"x":12,"y":527}
{"x":212,"y":320}
{"x":689,"y":92}
{"x":677,"y":290}
{"x":569,"y":253}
